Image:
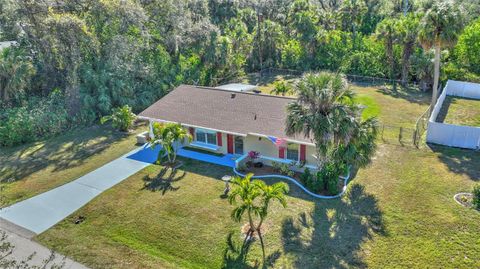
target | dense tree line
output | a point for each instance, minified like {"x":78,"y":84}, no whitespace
{"x":99,"y":54}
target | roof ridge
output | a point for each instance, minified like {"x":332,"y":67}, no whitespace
{"x":248,"y":93}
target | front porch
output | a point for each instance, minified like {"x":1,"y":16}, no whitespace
{"x":149,"y":155}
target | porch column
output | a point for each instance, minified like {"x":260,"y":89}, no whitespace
{"x":192,"y":132}
{"x":281,"y":152}
{"x":230,"y":143}
{"x":219,"y":139}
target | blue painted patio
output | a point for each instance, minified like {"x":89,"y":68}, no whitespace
{"x":149,"y":155}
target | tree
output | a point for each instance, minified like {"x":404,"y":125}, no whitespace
{"x":255,"y":197}
{"x":387,"y":31}
{"x":247,"y":192}
{"x":275,"y":192}
{"x":168,"y":136}
{"x":408,"y":31}
{"x":16,"y":70}
{"x":467,"y":49}
{"x":439,"y":28}
{"x":122,"y":118}
{"x":326,"y":113}
{"x":281,"y":88}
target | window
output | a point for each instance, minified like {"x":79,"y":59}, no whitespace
{"x":238,"y":145}
{"x":292,"y":152}
{"x":205,"y":136}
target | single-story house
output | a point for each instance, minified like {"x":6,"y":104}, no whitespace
{"x":233,"y":123}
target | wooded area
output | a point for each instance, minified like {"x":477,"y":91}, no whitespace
{"x":77,"y":59}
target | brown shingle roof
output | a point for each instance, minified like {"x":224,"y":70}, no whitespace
{"x":216,"y":109}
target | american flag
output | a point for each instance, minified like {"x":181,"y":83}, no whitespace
{"x":278,"y":142}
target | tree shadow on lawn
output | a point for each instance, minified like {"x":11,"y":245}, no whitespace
{"x":63,"y":152}
{"x":411,"y":95}
{"x":459,"y":161}
{"x":235,"y":255}
{"x":332,"y":235}
{"x":163,"y":182}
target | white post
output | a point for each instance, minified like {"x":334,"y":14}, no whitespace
{"x":150,"y":130}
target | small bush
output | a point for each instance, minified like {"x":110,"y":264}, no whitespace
{"x":307,"y":178}
{"x":283,"y":169}
{"x":122,"y":118}
{"x":476,"y":196}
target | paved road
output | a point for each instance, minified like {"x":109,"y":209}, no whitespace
{"x":41,"y":212}
{"x":24,"y":247}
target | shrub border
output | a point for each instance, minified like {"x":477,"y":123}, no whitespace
{"x":344,"y":189}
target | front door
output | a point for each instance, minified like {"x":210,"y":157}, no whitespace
{"x":239,"y":145}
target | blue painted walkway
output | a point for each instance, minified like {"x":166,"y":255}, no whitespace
{"x":149,"y":155}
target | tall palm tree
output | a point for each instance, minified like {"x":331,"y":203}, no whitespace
{"x":387,"y":31}
{"x":439,"y":28}
{"x":323,"y":112}
{"x":408,"y":30}
{"x":168,"y":136}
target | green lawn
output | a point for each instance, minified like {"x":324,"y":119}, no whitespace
{"x":399,"y":212}
{"x":460,"y":111}
{"x":34,"y":168}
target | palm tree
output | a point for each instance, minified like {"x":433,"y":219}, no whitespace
{"x":281,"y":88}
{"x":247,"y":192}
{"x":408,"y":30}
{"x":387,"y":31}
{"x":168,"y":136}
{"x":439,"y":28}
{"x":275,"y":192}
{"x":255,"y":197}
{"x":324,"y":112}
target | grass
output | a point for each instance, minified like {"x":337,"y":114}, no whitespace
{"x":398,"y":212}
{"x":460,"y":111}
{"x":34,"y":168}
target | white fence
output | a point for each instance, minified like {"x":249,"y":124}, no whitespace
{"x":450,"y":134}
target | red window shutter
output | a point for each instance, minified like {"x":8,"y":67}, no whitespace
{"x":219,"y":139}
{"x":303,"y":153}
{"x":281,"y":153}
{"x":192,"y":132}
{"x":230,"y":143}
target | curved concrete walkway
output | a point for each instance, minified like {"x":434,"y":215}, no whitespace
{"x":39,"y":213}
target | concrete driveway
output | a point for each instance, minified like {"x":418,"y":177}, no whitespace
{"x":41,"y":212}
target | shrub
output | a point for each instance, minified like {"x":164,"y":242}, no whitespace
{"x":122,"y":118}
{"x":307,"y":178}
{"x":476,"y":196}
{"x":329,"y":174}
{"x":283,"y":169}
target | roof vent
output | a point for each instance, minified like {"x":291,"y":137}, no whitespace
{"x":233,"y":95}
